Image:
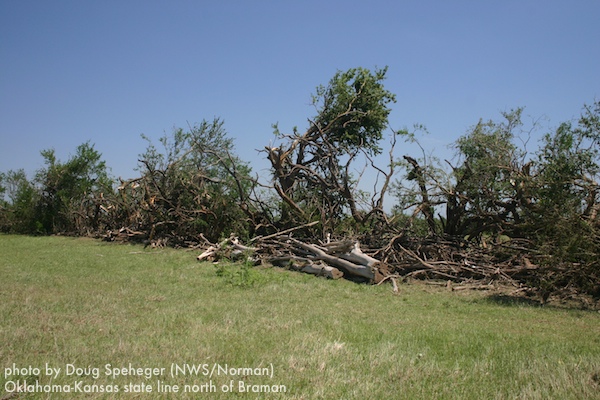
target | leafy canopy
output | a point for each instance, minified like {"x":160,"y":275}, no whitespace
{"x":353,"y":109}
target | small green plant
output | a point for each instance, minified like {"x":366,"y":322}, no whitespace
{"x":241,"y":275}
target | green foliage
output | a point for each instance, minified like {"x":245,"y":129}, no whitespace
{"x":353,"y":109}
{"x":498,"y":192}
{"x":17,"y":204}
{"x":240,"y":275}
{"x":487,"y":176}
{"x":568,"y":163}
{"x":193,"y":185}
{"x":68,"y":190}
{"x":567,"y":189}
{"x":314,"y":171}
{"x":62,"y":198}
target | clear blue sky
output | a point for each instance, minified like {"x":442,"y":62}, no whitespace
{"x":107,"y":71}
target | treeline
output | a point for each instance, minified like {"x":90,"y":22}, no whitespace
{"x":192,"y":187}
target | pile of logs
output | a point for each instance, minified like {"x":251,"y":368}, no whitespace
{"x":450,"y":263}
{"x":454,"y":263}
{"x":332,"y":260}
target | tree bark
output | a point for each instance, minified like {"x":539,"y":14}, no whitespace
{"x":353,"y":269}
{"x":307,"y":266}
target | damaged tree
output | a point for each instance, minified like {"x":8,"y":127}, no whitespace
{"x":193,"y":186}
{"x":495,"y":214}
{"x":314,"y":172}
{"x":510,"y":210}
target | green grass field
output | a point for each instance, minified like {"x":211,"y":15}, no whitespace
{"x":118,"y":317}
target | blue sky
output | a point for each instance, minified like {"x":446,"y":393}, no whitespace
{"x":108,"y":71}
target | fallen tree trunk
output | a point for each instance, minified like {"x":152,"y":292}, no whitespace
{"x":208,"y":254}
{"x":334,"y":260}
{"x":213,"y":251}
{"x":358,"y":257}
{"x":235,"y":242}
{"x":307,"y":266}
{"x":363,"y":271}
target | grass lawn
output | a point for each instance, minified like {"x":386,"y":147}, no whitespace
{"x":112,"y":317}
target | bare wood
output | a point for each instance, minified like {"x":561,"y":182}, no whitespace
{"x":305,"y":265}
{"x":322,"y":270}
{"x":394,"y":280}
{"x":394,"y":285}
{"x":208,"y":253}
{"x":211,"y":251}
{"x":238,"y":246}
{"x":358,"y":257}
{"x":425,"y":206}
{"x":350,"y":267}
{"x":414,"y":255}
{"x":433,"y":271}
{"x":339,"y":247}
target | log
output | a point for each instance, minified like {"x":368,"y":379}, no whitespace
{"x":307,"y":266}
{"x":208,"y":254}
{"x":212,"y":251}
{"x":338,"y":247}
{"x":235,"y":242}
{"x":322,"y":270}
{"x":358,"y":257}
{"x":348,"y":266}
